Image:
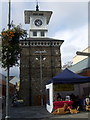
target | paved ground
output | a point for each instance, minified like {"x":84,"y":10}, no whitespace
{"x":40,"y":113}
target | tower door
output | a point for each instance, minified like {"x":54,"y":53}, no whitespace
{"x":39,"y":100}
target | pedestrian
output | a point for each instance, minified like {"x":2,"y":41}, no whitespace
{"x":58,"y":97}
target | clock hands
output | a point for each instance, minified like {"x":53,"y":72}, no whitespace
{"x":38,"y":22}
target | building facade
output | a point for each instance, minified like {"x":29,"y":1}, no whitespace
{"x":40,"y":58}
{"x":81,"y":63}
{"x":81,"y":66}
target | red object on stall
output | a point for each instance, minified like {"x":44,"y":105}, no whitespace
{"x":60,"y":104}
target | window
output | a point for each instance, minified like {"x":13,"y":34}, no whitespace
{"x":42,"y":34}
{"x":35,"y":14}
{"x":35,"y":33}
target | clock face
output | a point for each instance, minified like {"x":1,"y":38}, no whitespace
{"x":38,"y":22}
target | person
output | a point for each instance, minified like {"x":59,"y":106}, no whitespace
{"x":72,"y":96}
{"x":58,"y":96}
{"x":55,"y":97}
{"x":14,"y":99}
{"x":3,"y":101}
{"x":87,"y":104}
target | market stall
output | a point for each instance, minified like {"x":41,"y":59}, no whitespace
{"x":65,"y":77}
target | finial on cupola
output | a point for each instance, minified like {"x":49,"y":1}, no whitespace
{"x":37,"y":7}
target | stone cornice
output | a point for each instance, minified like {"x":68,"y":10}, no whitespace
{"x":41,"y":42}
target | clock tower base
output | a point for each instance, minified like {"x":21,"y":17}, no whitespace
{"x":40,"y":60}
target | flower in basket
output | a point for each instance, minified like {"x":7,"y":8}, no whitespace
{"x":10,"y":45}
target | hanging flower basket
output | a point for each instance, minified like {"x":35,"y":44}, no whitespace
{"x":10,"y":45}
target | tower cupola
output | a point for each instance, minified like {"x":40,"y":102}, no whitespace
{"x":38,"y":21}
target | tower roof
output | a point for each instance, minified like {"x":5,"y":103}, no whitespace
{"x":28,"y":13}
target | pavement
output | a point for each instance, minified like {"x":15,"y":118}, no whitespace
{"x":40,"y":113}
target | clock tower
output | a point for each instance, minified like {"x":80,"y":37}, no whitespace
{"x":40,"y":58}
{"x":38,"y":21}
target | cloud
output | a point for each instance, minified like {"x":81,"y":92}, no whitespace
{"x":74,"y":40}
{"x":14,"y":71}
{"x":17,"y":13}
{"x":67,"y":16}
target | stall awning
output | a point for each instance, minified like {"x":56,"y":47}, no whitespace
{"x":68,"y":77}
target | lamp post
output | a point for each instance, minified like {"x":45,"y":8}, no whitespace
{"x":8,"y":68}
{"x":41,"y":83}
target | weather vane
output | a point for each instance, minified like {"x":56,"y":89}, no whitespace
{"x":37,"y":7}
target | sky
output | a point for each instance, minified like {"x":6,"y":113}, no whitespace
{"x":69,"y":22}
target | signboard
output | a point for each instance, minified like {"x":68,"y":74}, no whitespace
{"x":63,"y":87}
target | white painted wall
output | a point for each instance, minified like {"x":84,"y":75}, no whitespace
{"x":50,"y":107}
